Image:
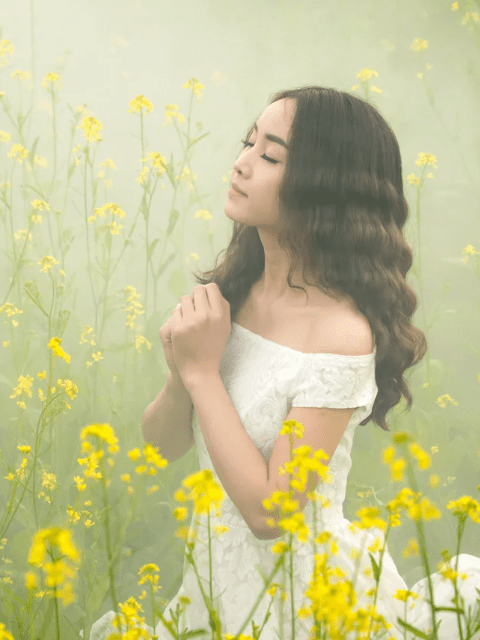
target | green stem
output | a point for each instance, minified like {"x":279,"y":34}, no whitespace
{"x":461,"y":525}
{"x":378,"y":578}
{"x":108,"y":542}
{"x":421,"y":536}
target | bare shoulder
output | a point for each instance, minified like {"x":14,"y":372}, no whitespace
{"x":342,"y":331}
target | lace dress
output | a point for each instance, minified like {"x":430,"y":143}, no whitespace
{"x":264,"y":381}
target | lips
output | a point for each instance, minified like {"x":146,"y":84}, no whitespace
{"x":234,"y":186}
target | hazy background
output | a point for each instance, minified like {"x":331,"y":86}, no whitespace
{"x":109,"y":52}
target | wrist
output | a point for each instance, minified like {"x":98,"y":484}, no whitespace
{"x":175,"y":381}
{"x":198,"y":380}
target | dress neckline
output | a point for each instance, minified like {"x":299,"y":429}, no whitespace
{"x":256,"y":336}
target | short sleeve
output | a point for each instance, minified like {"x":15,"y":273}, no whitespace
{"x":336,"y":381}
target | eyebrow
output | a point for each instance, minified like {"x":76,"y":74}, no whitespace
{"x":273,"y":138}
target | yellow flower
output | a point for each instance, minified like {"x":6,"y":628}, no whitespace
{"x":54,"y":345}
{"x":422,"y":457}
{"x":49,"y":480}
{"x":148,"y":569}
{"x":139,"y":340}
{"x":136,"y":307}
{"x":91,"y":128}
{"x":138,"y":102}
{"x":194,"y":85}
{"x":423,"y":509}
{"x":40,"y":205}
{"x":103,"y":432}
{"x":24,"y":448}
{"x":47,"y":262}
{"x":56,"y":536}
{"x":441,"y":400}
{"x":51,"y":78}
{"x":115,"y":228}
{"x":30,"y":581}
{"x":388,"y":454}
{"x":141,"y":469}
{"x":396,"y":469}
{"x":85,"y":332}
{"x":71,"y":389}
{"x":465,"y":505}
{"x":24,"y":386}
{"x":411,"y":549}
{"x":171,"y":111}
{"x":134,"y":454}
{"x":204,"y":491}
{"x":81,"y":486}
{"x":20,"y":152}
{"x":369,"y":518}
{"x":129,"y":616}
{"x":9,"y":309}
{"x":152,"y":456}
{"x":404,"y":594}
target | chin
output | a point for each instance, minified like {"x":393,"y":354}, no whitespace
{"x":230,"y":214}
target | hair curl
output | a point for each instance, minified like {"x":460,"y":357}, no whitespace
{"x":342,"y":212}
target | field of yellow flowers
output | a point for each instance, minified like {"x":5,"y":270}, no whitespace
{"x":79,"y":485}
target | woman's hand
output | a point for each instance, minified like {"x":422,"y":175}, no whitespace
{"x":200,"y":331}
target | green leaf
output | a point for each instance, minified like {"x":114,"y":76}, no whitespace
{"x":71,"y":169}
{"x":375,"y":567}
{"x":151,"y":248}
{"x":170,"y":259}
{"x":60,"y":324}
{"x":197,"y":140}
{"x":416,"y":632}
{"x":33,"y":293}
{"x":31,"y":155}
{"x":174,"y":216}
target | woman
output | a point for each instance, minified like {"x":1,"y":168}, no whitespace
{"x":314,"y":282}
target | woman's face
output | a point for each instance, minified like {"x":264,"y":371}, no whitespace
{"x":260,"y":168}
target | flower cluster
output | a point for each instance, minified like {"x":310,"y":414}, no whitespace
{"x":295,"y":523}
{"x":58,"y":572}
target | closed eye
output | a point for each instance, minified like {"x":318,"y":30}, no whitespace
{"x":250,"y":144}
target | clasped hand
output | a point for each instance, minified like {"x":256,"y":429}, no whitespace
{"x":200,"y":332}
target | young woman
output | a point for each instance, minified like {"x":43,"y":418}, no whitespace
{"x":307,"y":318}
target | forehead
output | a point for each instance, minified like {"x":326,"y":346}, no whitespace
{"x":277,"y":117}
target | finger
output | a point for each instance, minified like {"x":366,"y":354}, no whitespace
{"x":177,"y":313}
{"x":201,"y":301}
{"x":215,"y":298}
{"x":185,"y":309}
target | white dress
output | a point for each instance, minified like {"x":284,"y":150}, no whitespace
{"x":264,"y":381}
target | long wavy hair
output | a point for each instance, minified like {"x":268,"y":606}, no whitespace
{"x":342,"y":212}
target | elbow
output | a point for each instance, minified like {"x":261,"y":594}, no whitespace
{"x":264,"y":531}
{"x":270,"y":533}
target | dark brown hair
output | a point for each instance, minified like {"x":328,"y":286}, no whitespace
{"x":342,"y":211}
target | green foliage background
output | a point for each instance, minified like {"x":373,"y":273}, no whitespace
{"x":113,"y":177}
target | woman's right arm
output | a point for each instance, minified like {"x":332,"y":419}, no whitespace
{"x":167,"y":421}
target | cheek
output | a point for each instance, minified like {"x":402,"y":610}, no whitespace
{"x":269,"y":191}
